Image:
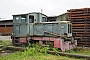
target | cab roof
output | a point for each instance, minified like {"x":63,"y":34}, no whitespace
{"x":29,"y":13}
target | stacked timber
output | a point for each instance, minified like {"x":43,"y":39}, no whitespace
{"x":80,"y":19}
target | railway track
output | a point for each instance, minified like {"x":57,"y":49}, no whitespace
{"x":9,"y":50}
{"x":70,"y":54}
{"x":49,"y":52}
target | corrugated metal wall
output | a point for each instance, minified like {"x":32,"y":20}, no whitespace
{"x":6,"y":30}
{"x":80,"y":19}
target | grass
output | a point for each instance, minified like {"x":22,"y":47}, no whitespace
{"x":80,"y":50}
{"x":37,"y":56}
{"x":5,"y":42}
{"x":35,"y":52}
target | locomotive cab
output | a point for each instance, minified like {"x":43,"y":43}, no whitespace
{"x":23,"y":23}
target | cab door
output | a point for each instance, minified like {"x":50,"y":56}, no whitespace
{"x":23,"y":25}
{"x":16,"y":25}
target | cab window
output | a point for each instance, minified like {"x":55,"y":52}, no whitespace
{"x":17,"y":19}
{"x":23,"y":18}
{"x":31,"y":19}
{"x":44,"y":19}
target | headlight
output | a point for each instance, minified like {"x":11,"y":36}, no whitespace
{"x":62,"y":27}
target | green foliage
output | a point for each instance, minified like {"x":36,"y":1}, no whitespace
{"x":80,"y":50}
{"x":70,"y":51}
{"x":5,"y":42}
{"x":33,"y":51}
{"x":37,"y":48}
{"x":36,"y":52}
{"x":56,"y":50}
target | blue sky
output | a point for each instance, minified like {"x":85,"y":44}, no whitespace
{"x":50,"y":7}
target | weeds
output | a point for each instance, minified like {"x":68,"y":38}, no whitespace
{"x":35,"y":52}
{"x":5,"y":43}
{"x":82,"y":50}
